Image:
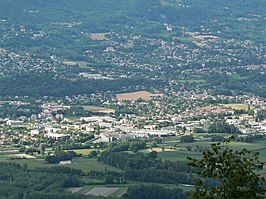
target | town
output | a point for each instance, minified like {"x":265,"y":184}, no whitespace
{"x":84,"y":122}
{"x":132,"y":99}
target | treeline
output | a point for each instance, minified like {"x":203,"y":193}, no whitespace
{"x":225,"y":84}
{"x":154,"y":192}
{"x":60,"y":156}
{"x":15,"y":112}
{"x":48,"y":85}
{"x":220,"y":126}
{"x":146,"y":168}
{"x":102,"y":177}
{"x":56,"y":195}
{"x":125,"y":146}
{"x":249,"y":138}
{"x":17,"y":182}
{"x":59,"y":170}
{"x":75,"y":111}
{"x":261,"y":115}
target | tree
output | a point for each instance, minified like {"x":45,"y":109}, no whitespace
{"x":220,"y":126}
{"x":42,"y":148}
{"x":153,"y":154}
{"x":187,"y":138}
{"x":93,"y":154}
{"x":235,"y":172}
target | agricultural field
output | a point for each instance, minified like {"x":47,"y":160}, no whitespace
{"x":136,"y":95}
{"x":89,"y":164}
{"x":104,"y":191}
{"x":98,"y":109}
{"x":177,"y":151}
{"x":32,"y":163}
{"x":84,"y":152}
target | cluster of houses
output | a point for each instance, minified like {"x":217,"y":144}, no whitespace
{"x":158,"y":121}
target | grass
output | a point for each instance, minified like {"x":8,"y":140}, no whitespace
{"x":189,"y":39}
{"x":98,"y":109}
{"x":193,"y":79}
{"x":89,"y":164}
{"x":83,"y":64}
{"x":84,"y":152}
{"x":181,"y":155}
{"x":178,"y":155}
{"x":32,"y":163}
{"x":86,"y":164}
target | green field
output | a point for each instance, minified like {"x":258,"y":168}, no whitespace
{"x":91,"y":164}
{"x":84,"y":152}
{"x":174,"y":151}
{"x":178,"y":155}
{"x":85,"y":164}
{"x":259,"y":146}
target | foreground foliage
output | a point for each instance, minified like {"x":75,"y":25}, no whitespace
{"x":18,"y":182}
{"x":235,"y":171}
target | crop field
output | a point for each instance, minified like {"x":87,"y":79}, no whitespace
{"x":136,"y":95}
{"x":178,"y":155}
{"x":99,"y":191}
{"x":98,"y":109}
{"x":102,"y":191}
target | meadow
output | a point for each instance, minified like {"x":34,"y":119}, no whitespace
{"x":85,"y":164}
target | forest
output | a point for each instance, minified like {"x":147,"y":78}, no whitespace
{"x":139,"y":167}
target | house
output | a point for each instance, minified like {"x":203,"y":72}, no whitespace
{"x":34,"y":132}
{"x":248,"y":131}
{"x":56,"y":135}
{"x":110,"y":137}
{"x":65,"y":162}
{"x":14,"y":123}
